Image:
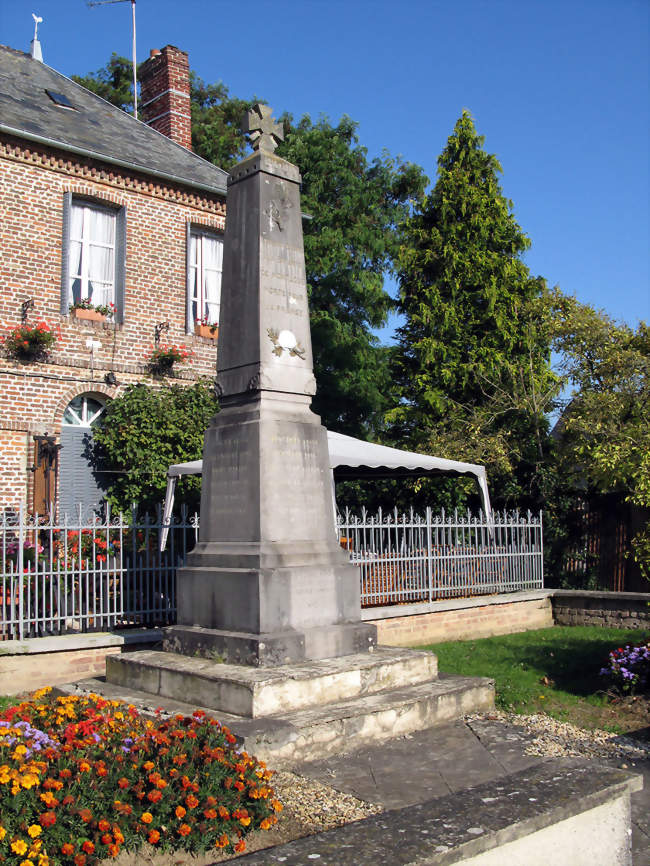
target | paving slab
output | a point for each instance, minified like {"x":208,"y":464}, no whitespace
{"x":449,"y":759}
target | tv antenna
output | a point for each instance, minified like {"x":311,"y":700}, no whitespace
{"x":135,"y":83}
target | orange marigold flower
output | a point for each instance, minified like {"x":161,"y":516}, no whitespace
{"x":88,"y":847}
{"x":154,"y":796}
{"x":211,"y":801}
{"x":123,"y":782}
{"x":65,"y":773}
{"x":265,"y":824}
{"x":180,"y":812}
{"x":276,"y":805}
{"x":47,"y":819}
{"x":86,"y":815}
{"x":239,"y":785}
{"x":240,"y":846}
{"x":113,"y":850}
{"x":191,"y":802}
{"x":107,"y":838}
{"x":244,"y":821}
{"x":230,"y":739}
{"x":49,"y":799}
{"x":210,"y":813}
{"x":102,"y":771}
{"x":67,"y":800}
{"x":148,"y":765}
{"x":184,"y":830}
{"x":153,"y":837}
{"x":223,"y":840}
{"x":67,"y":848}
{"x":80,"y":860}
{"x":103,"y":825}
{"x":84,"y":767}
{"x":223,"y":812}
{"x":146,"y":817}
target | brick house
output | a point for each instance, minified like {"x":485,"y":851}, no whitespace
{"x":96,"y":208}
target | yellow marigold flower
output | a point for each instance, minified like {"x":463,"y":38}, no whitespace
{"x":43,"y":860}
{"x":34,"y":830}
{"x":3,"y":832}
{"x":40,"y":693}
{"x":19,"y":846}
{"x":36,"y":847}
{"x":19,"y":751}
{"x":29,"y":780}
{"x":26,"y":863}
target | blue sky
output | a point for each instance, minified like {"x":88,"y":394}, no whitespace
{"x":558,"y":89}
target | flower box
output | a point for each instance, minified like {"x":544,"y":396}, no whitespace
{"x":209,"y":331}
{"x":89,"y":315}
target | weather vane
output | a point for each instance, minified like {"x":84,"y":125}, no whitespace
{"x":37,"y":20}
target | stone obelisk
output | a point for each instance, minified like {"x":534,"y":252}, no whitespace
{"x":267,"y":583}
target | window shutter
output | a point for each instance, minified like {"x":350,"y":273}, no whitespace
{"x":65,"y":254}
{"x":189,"y":324}
{"x":120,"y":264}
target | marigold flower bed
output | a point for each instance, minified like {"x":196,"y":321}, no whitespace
{"x":81,"y":778}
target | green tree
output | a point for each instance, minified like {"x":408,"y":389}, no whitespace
{"x":473,"y":355}
{"x":354,"y":206}
{"x":113,"y":82}
{"x":216,"y":122}
{"x":144,"y":431}
{"x":604,"y":432}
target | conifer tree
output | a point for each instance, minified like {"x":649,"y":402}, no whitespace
{"x":472,"y":360}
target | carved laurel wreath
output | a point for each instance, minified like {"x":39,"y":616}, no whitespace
{"x":296,"y":351}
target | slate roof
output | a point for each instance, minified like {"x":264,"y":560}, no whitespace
{"x":96,"y":129}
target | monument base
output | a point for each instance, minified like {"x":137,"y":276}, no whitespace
{"x":274,"y":648}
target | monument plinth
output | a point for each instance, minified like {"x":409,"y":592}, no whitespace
{"x":267,"y":583}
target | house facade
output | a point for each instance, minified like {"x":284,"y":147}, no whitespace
{"x":105,"y":216}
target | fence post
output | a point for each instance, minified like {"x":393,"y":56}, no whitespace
{"x":429,"y":554}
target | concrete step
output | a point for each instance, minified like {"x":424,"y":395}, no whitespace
{"x":254,"y":692}
{"x":308,"y":734}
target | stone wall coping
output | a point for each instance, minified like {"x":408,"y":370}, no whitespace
{"x":461,"y":826}
{"x":370,"y":614}
{"x":600,"y":594}
{"x":85,"y":641}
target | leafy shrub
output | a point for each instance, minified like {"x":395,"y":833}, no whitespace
{"x":83,"y":777}
{"x":628,"y":668}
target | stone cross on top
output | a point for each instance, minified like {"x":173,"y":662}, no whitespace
{"x":265,"y":133}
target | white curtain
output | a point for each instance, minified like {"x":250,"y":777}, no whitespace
{"x":92,"y":254}
{"x":212,"y":267}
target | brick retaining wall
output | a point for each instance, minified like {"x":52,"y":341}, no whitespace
{"x":47,"y":661}
{"x":463,"y":619}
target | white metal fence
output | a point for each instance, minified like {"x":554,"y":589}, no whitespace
{"x":411,"y":558}
{"x":88,"y":573}
{"x":103,"y":573}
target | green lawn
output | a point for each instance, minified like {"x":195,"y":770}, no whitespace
{"x":552,"y":670}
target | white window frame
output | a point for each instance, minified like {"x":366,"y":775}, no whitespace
{"x":196,"y":299}
{"x":87,"y":242}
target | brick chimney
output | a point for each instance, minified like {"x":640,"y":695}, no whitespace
{"x":165,"y":94}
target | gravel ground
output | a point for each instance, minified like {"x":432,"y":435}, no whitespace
{"x":554,"y":739}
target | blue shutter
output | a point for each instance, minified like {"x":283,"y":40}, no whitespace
{"x":78,"y":483}
{"x":120,"y":264}
{"x":189,"y":324}
{"x":65,"y":254}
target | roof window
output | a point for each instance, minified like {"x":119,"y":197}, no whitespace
{"x":60,"y":100}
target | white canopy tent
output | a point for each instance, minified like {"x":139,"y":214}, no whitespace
{"x":354,"y":458}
